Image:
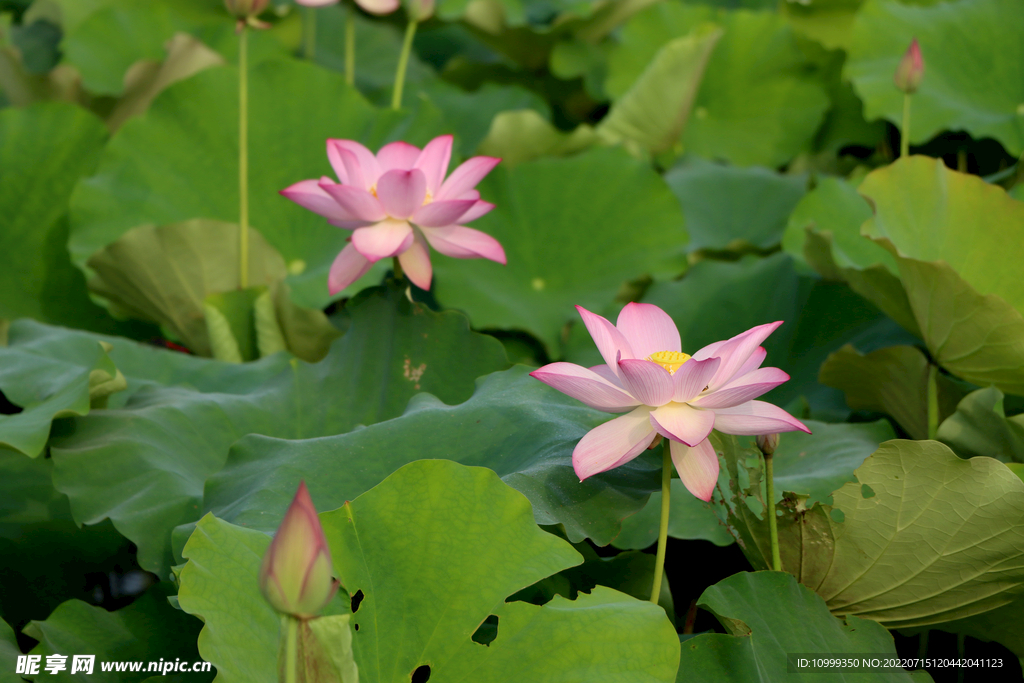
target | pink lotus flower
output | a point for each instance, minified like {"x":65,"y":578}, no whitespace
{"x":295,"y":576}
{"x":371,"y":6}
{"x":668,"y":392}
{"x":397,"y":202}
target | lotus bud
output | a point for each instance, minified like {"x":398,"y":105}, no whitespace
{"x":243,"y":9}
{"x":419,"y":10}
{"x":296,"y":575}
{"x":910,"y":72}
{"x":767,"y":443}
{"x":378,"y":7}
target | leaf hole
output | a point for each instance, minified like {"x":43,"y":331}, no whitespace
{"x":357,"y":598}
{"x":421,"y":674}
{"x":866,"y":491}
{"x":487,"y":631}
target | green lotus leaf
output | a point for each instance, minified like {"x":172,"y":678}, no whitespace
{"x":427,"y":587}
{"x":1001,"y":625}
{"x":757,"y":104}
{"x":631,"y":572}
{"x":38,"y":535}
{"x":980,"y":427}
{"x":948,"y":232}
{"x":168,"y":275}
{"x":824,"y":232}
{"x":894,"y":381}
{"x":46,"y":389}
{"x":563,"y":224}
{"x":980,"y":97}
{"x":52,"y":356}
{"x":144,"y":465}
{"x":525,"y":135}
{"x":769,"y":616}
{"x":689,"y":518}
{"x":9,"y":652}
{"x":830,"y":22}
{"x":726,"y":206}
{"x":922,"y":537}
{"x":261,"y":474}
{"x":149,"y":172}
{"x":520,"y":12}
{"x":44,"y":150}
{"x":147,"y":630}
{"x":651,"y":116}
{"x":717,"y":300}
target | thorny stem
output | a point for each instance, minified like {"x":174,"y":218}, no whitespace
{"x":933,"y":401}
{"x":309,"y":33}
{"x":350,"y":46}
{"x":905,"y":130}
{"x":403,"y":63}
{"x":291,"y":649}
{"x":666,"y":492}
{"x":243,"y":157}
{"x":773,"y":528}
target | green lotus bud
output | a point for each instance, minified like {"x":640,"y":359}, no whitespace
{"x":767,"y":443}
{"x":243,"y":9}
{"x":910,"y":72}
{"x":419,"y":10}
{"x":296,"y":575}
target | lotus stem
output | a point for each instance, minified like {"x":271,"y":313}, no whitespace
{"x":350,"y":46}
{"x":666,"y":494}
{"x":396,"y":267}
{"x":309,"y":33}
{"x":905,"y":129}
{"x":933,"y":401}
{"x":403,"y":63}
{"x":291,"y":647}
{"x":773,"y":527}
{"x":243,"y":157}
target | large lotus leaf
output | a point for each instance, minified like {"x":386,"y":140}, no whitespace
{"x":39,"y":356}
{"x":651,"y":116}
{"x":824,"y":231}
{"x":981,"y":96}
{"x":830,"y":22}
{"x":9,"y":652}
{"x":520,"y":428}
{"x":717,"y":300}
{"x":689,"y":518}
{"x":757,"y":104}
{"x":808,"y":468}
{"x":166,"y":274}
{"x":427,"y":588}
{"x":520,"y":12}
{"x":37,"y":538}
{"x":980,"y":427}
{"x":1002,"y":625}
{"x":574,"y":230}
{"x":949,"y":233}
{"x":144,"y":465}
{"x":728,"y":206}
{"x":922,"y":537}
{"x":630,"y":572}
{"x":769,"y":616}
{"x":894,"y":381}
{"x":46,"y":389}
{"x":147,"y":630}
{"x":525,"y":135}
{"x":44,"y":150}
{"x":180,"y":162}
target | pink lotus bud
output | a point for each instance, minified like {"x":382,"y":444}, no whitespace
{"x":243,"y":9}
{"x":296,"y":575}
{"x":910,"y":72}
{"x":378,"y":7}
{"x":767,"y":443}
{"x":419,"y":10}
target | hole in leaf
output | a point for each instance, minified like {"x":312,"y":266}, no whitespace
{"x":356,"y":626}
{"x":421,"y":674}
{"x":357,"y":598}
{"x":6,"y":407}
{"x":487,"y":632}
{"x":837,"y":515}
{"x":866,"y":491}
